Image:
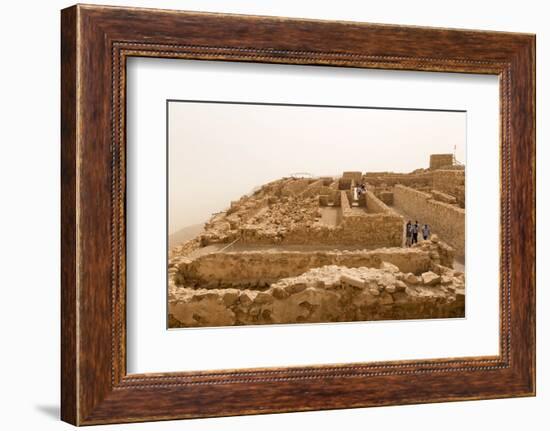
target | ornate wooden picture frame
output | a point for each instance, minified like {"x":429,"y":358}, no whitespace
{"x":96,"y":41}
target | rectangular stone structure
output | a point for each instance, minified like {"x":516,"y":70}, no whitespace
{"x":438,"y":161}
{"x":268,"y":266}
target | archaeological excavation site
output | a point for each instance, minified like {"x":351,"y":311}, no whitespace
{"x":305,"y":249}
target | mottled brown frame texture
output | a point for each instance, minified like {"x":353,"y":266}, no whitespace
{"x":95,"y":43}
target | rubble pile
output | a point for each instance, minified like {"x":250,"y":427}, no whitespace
{"x":326,"y":294}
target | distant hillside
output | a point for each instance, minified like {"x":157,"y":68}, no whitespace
{"x":184,"y":234}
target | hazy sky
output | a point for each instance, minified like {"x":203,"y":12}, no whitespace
{"x":218,"y":152}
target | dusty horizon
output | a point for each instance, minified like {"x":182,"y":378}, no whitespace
{"x":228,"y":150}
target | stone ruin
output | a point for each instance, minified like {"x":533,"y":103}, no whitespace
{"x":440,"y":161}
{"x":311,"y":250}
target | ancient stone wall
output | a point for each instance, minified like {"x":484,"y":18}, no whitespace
{"x":443,"y":197}
{"x":451,"y":182}
{"x":326,"y":294}
{"x":374,"y":232}
{"x":345,"y":204}
{"x":440,"y":160}
{"x":378,"y":179}
{"x":378,"y":226}
{"x":384,"y":228}
{"x":445,"y":219}
{"x":385,"y":196}
{"x":316,"y":188}
{"x":353,"y":175}
{"x":345,"y":183}
{"x":260,"y":267}
{"x":461,"y":196}
{"x":375,"y":205}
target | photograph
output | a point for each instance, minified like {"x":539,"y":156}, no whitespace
{"x":275,"y":215}
{"x":285,"y":213}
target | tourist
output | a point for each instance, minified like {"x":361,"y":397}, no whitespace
{"x":408,"y":233}
{"x":358,"y":191}
{"x":415,"y":232}
{"x":426,"y":232}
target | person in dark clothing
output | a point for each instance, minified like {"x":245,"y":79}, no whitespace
{"x":415,"y":232}
{"x":426,"y":232}
{"x":408,"y":234}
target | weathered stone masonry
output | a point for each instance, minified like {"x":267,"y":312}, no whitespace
{"x":318,"y":250}
{"x":448,"y":220}
{"x":451,"y":182}
{"x":240,"y":288}
{"x":373,"y":227}
{"x":438,"y":161}
{"x":325,"y":294}
{"x":258,"y":268}
{"x":423,"y":179}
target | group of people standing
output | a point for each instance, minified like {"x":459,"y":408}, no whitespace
{"x":359,"y":190}
{"x":411,"y":231}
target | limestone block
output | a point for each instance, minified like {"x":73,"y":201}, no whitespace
{"x":279,"y":292}
{"x":386,"y":299}
{"x":443,"y":197}
{"x":201,"y":295}
{"x":295,"y":288}
{"x":430,"y":278}
{"x":411,"y":278}
{"x":386,"y":279}
{"x":230,"y":296}
{"x":365,"y":298}
{"x":254,"y":311}
{"x":386,"y":266}
{"x":247,"y":297}
{"x":400,"y":286}
{"x":309,"y":305}
{"x":374,"y":291}
{"x":263,"y":298}
{"x":352,"y":281}
{"x":209,"y":312}
{"x":445,"y":280}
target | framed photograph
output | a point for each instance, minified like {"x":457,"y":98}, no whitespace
{"x":264,"y":214}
